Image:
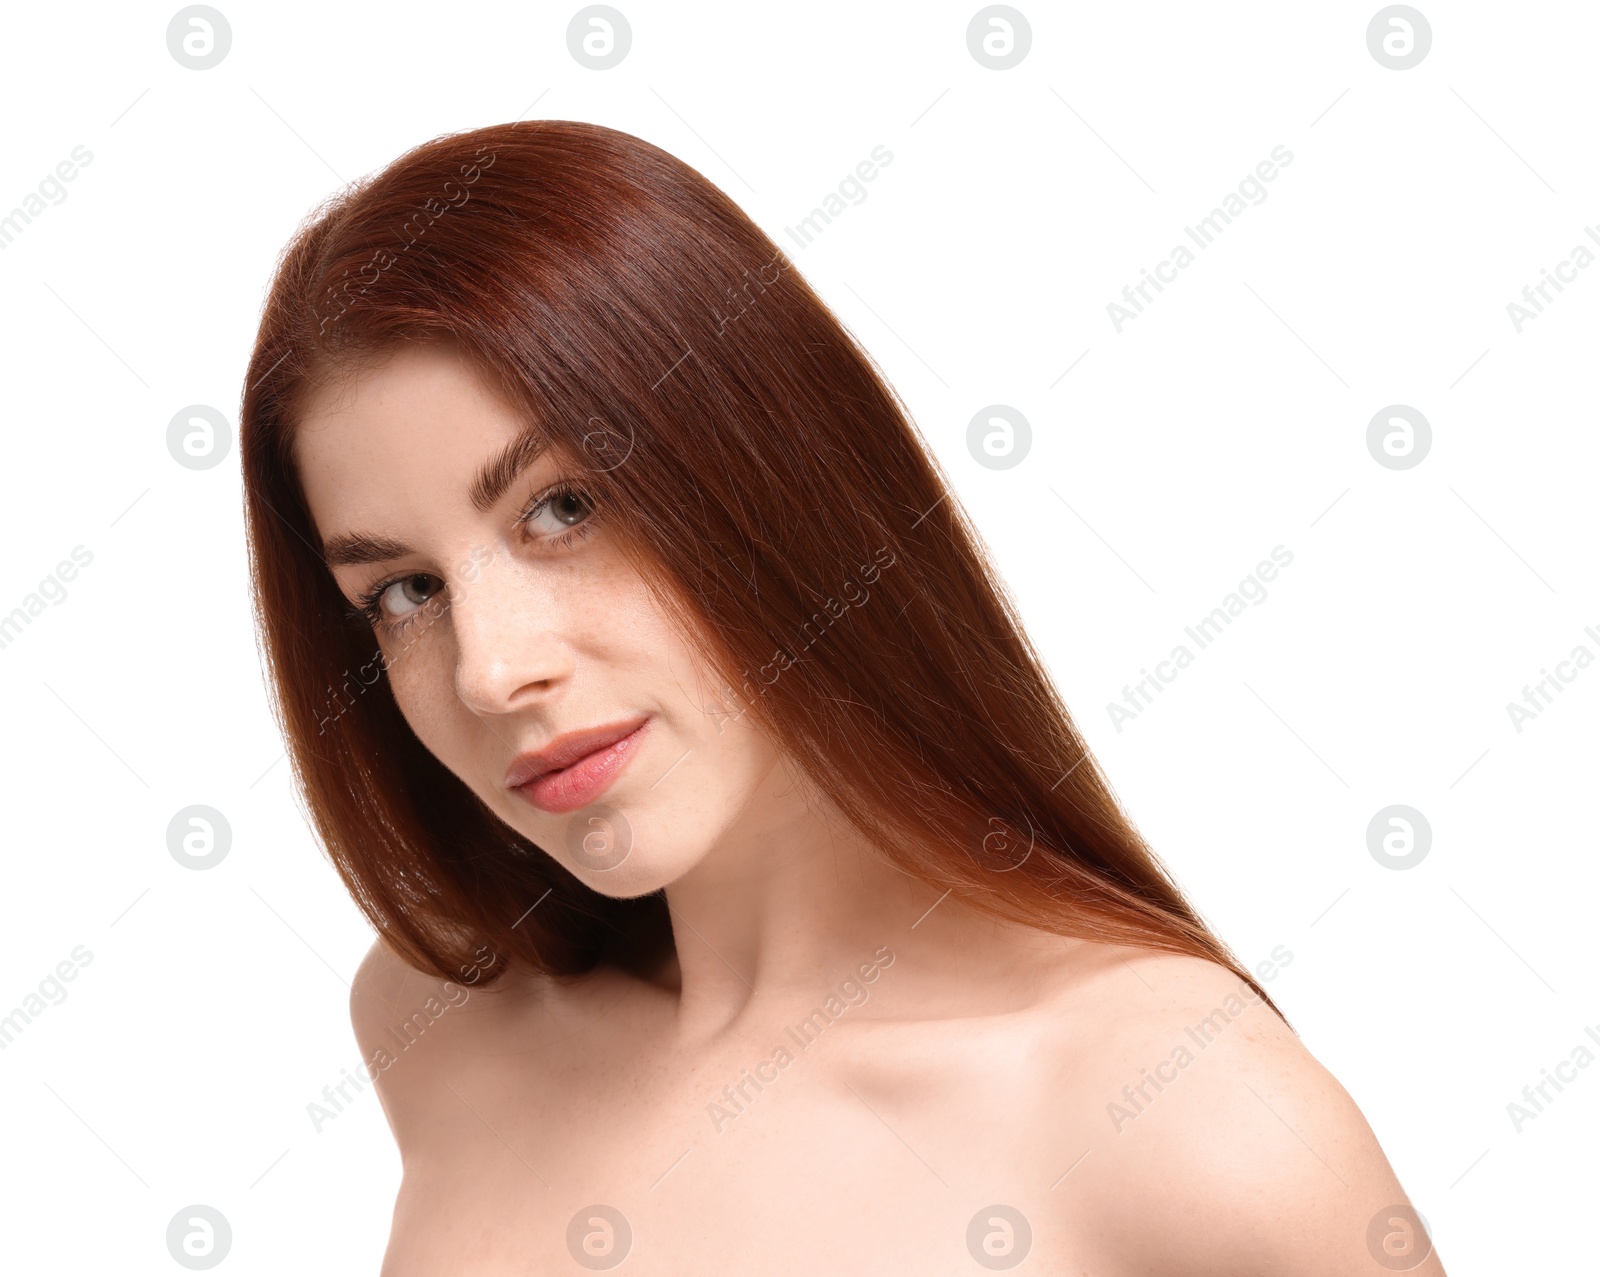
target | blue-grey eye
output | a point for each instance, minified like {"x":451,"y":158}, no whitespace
{"x":563,"y":508}
{"x":407,"y":590}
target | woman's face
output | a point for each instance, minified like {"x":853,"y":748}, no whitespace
{"x":508,"y":619}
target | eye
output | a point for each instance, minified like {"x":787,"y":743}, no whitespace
{"x":557,"y":511}
{"x":393,"y":603}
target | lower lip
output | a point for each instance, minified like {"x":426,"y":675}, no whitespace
{"x":580,"y":783}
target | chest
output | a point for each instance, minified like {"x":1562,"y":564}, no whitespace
{"x":882,"y":1153}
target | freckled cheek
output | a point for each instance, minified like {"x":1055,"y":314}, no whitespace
{"x":424,"y":686}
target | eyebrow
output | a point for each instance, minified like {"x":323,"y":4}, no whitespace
{"x":493,"y":480}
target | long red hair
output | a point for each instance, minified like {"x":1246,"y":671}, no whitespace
{"x":770,"y":485}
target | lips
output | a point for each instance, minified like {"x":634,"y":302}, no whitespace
{"x":574,"y":769}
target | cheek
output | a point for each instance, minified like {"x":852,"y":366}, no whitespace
{"x":685,"y":673}
{"x":422,"y":677}
{"x":628,"y":634}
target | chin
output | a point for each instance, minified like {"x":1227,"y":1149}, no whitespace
{"x":625,"y":858}
{"x":639,"y":875}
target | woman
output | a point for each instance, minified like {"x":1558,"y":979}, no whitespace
{"x":746,"y":899}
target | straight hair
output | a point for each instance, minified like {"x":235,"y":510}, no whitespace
{"x":770,"y":485}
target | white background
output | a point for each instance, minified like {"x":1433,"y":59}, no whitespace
{"x":1229,"y":418}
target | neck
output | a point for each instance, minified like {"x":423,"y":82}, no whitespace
{"x":792,"y":900}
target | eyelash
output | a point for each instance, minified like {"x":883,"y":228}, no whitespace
{"x":368,"y":608}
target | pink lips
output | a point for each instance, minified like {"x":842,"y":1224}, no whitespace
{"x":577,"y":768}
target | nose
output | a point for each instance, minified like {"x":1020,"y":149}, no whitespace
{"x":510,"y":651}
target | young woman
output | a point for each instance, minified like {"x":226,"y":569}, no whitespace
{"x":747,"y":901}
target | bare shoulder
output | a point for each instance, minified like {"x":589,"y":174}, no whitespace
{"x":387,"y":993}
{"x":1220,"y":1144}
{"x":418,"y":1033}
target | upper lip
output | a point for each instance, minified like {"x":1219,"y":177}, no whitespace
{"x":567,"y":749}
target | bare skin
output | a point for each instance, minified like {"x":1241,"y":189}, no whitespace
{"x":954,"y":1069}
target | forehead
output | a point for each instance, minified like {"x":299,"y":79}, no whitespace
{"x":418,"y":423}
